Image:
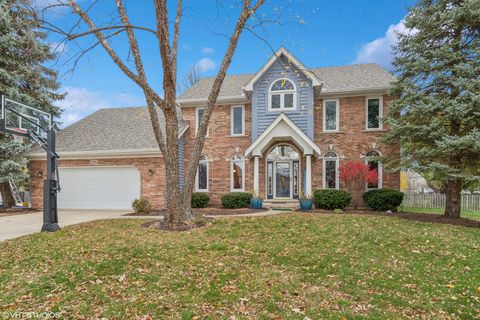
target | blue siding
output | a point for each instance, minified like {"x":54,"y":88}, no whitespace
{"x":302,"y":116}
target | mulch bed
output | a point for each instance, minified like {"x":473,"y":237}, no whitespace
{"x":15,"y":211}
{"x":210,"y":211}
{"x":415,"y":216}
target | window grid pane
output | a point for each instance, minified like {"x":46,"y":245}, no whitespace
{"x":288,"y":101}
{"x":373,"y":116}
{"x":270,"y":178}
{"x":276,"y":101}
{"x":331,"y":174}
{"x":237,"y":175}
{"x":331,"y":115}
{"x":202,"y":176}
{"x":238,"y":120}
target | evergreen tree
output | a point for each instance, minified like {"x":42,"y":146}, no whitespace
{"x":23,"y":77}
{"x":437,"y":113}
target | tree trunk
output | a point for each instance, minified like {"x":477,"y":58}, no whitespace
{"x":7,"y":197}
{"x":453,"y":198}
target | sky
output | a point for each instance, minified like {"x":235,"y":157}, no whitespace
{"x":318,"y":32}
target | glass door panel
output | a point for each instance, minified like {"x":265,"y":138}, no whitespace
{"x":283,"y":172}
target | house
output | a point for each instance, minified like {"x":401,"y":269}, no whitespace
{"x":282,"y":131}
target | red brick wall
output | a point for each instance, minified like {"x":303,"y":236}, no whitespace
{"x":219,"y":148}
{"x":152,"y":186}
{"x":352,"y":141}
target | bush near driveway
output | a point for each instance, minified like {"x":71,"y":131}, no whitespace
{"x":383,"y":199}
{"x":200,"y":200}
{"x":141,"y":206}
{"x":331,"y":199}
{"x":236,"y":200}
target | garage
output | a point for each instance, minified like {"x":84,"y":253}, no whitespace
{"x":98,"y":187}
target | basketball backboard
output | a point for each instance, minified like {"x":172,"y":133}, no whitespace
{"x":19,"y":118}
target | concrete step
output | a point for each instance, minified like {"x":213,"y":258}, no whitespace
{"x":281,"y":204}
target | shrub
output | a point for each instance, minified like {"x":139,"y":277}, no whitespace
{"x":200,"y":200}
{"x":141,"y":206}
{"x":338,"y":211}
{"x":331,"y":199}
{"x":383,"y":199}
{"x":356,"y":175}
{"x":235,"y":200}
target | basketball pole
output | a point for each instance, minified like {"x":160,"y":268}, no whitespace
{"x":50,"y":187}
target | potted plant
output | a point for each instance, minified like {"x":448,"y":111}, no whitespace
{"x":256,"y":202}
{"x":306,"y":202}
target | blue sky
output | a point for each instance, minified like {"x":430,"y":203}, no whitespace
{"x":318,"y":33}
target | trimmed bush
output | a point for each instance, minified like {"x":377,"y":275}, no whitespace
{"x":200,"y":200}
{"x":383,"y":199}
{"x":235,"y":200}
{"x":331,"y":199}
{"x":141,"y":206}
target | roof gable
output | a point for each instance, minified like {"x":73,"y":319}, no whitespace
{"x":276,"y":57}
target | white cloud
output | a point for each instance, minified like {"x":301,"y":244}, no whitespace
{"x":207,"y":50}
{"x":380,"y":50}
{"x":206,"y":64}
{"x":81,"y":102}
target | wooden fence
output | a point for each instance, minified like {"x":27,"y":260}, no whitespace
{"x":470,"y":202}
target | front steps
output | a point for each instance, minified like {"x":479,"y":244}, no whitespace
{"x":287,"y":205}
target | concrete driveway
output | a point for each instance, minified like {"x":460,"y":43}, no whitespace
{"x":23,"y":224}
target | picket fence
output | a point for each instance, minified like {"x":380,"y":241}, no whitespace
{"x":470,"y":202}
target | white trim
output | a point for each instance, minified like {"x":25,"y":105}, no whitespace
{"x":380,"y":113}
{"x":100,"y":154}
{"x":208,"y":175}
{"x":282,"y":94}
{"x":337,"y":115}
{"x":337,"y":166}
{"x":241,"y":163}
{"x":273,"y":58}
{"x":282,"y":117}
{"x":359,"y":90}
{"x":221,"y":100}
{"x":232,"y":133}
{"x":197,"y":122}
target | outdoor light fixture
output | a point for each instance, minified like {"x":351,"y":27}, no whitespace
{"x":150,"y":172}
{"x":40,"y":173}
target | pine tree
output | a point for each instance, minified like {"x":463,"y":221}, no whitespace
{"x":437,"y":113}
{"x":23,"y":77}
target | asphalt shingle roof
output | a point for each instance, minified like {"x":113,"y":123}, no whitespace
{"x":111,"y":129}
{"x":335,"y":79}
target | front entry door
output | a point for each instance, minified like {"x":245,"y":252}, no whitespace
{"x":283,"y":179}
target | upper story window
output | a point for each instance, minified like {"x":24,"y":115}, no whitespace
{"x":237,"y":125}
{"x":374,"y":113}
{"x":282,"y":95}
{"x":198,"y":118}
{"x":331,"y":115}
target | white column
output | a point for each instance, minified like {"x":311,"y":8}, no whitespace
{"x":308,"y":175}
{"x":256,"y":187}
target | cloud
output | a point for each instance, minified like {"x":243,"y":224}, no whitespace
{"x":207,"y":50}
{"x":81,"y":102}
{"x":206,"y":64}
{"x":380,"y":50}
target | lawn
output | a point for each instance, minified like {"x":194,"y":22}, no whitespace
{"x":464,"y":213}
{"x":292,"y":266}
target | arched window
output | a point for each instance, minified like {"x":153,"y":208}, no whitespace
{"x":371,"y":159}
{"x":201,"y":181}
{"x":330,"y":171}
{"x":283,"y":152}
{"x":282,"y":95}
{"x":237,"y":173}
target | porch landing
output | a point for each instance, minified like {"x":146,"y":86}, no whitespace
{"x":281,"y":204}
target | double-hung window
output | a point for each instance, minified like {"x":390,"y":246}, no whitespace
{"x":237,"y":123}
{"x":282,"y":96}
{"x":331,"y":115}
{"x":374,"y":113}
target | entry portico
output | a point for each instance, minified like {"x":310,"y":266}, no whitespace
{"x":283,"y":144}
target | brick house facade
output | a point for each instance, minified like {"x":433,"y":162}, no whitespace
{"x":268,"y":134}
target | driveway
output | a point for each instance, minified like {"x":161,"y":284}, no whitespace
{"x":23,"y":224}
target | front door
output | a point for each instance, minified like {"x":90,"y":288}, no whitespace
{"x":283,"y":179}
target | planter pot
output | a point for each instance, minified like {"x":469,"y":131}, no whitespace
{"x":256,"y":203}
{"x":306,"y":204}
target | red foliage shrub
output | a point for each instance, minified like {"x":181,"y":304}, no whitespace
{"x":356,"y":175}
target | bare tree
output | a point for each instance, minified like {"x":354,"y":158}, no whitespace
{"x":191,"y":77}
{"x":178,"y":201}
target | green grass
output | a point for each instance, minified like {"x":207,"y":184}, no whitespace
{"x":464,"y":214}
{"x":290,"y":266}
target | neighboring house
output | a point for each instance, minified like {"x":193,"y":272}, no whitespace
{"x":282,"y":131}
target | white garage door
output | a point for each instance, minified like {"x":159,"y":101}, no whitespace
{"x":98,"y":187}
